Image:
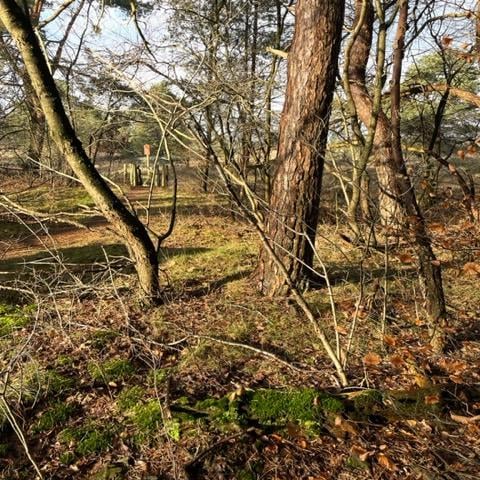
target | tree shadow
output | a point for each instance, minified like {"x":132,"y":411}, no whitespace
{"x":215,"y":285}
{"x":86,"y":256}
{"x":339,"y":274}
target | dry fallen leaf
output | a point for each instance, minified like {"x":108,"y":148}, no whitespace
{"x":389,"y":340}
{"x":397,"y":361}
{"x":386,"y":462}
{"x":342,"y":330}
{"x":432,"y":399}
{"x":361,"y":453}
{"x":372,"y":359}
{"x":406,"y":258}
{"x":471,"y":268}
{"x":437,"y":227}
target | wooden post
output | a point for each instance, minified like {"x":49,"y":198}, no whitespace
{"x":147,"y":152}
{"x":135,"y":175}
{"x":164,"y":176}
{"x":156,"y":176}
{"x":125,"y":173}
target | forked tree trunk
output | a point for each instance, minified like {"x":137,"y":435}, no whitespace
{"x":294,"y":203}
{"x":388,"y":207}
{"x":393,"y":177}
{"x":126,"y":226}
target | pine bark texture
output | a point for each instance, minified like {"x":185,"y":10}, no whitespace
{"x":292,"y":219}
{"x":129,"y":229}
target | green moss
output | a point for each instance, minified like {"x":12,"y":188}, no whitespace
{"x":221,"y":410}
{"x":147,"y":419}
{"x":157,"y":376}
{"x":89,"y":438}
{"x":172,"y":428}
{"x":355,"y":463}
{"x":4,"y":449}
{"x":111,"y":370}
{"x":415,"y":403}
{"x":54,"y":416}
{"x":103,"y":338}
{"x":330,"y":404}
{"x":368,"y":402}
{"x":67,"y":458}
{"x":130,"y":397}
{"x":55,"y":383}
{"x":278,"y":407}
{"x":245,"y":475}
{"x":64,"y":361}
{"x":12,"y":318}
{"x":110,"y":472}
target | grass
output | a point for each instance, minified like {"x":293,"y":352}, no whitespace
{"x":88,"y":438}
{"x":56,"y":415}
{"x":111,"y":370}
{"x":205,"y":269}
{"x":13,"y":317}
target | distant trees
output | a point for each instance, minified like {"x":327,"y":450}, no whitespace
{"x":126,"y":225}
{"x":293,"y":211}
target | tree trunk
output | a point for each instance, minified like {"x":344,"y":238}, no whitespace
{"x":429,"y":267}
{"x":389,"y":209}
{"x":127,"y":226}
{"x":294,"y":206}
{"x":37,"y":127}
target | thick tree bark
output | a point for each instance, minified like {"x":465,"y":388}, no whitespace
{"x":294,"y":203}
{"x":127,"y":226}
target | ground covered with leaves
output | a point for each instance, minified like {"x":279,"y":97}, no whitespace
{"x":220,"y":382}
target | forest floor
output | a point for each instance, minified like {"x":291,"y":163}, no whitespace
{"x":220,"y":382}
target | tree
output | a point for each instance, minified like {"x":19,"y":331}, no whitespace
{"x":294,"y":206}
{"x":391,"y":168}
{"x":126,"y":225}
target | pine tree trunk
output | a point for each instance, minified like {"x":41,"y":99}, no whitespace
{"x":294,"y":203}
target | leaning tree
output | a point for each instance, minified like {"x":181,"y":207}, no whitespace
{"x":124,"y":223}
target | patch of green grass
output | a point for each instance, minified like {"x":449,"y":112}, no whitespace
{"x":230,"y":259}
{"x":130,"y":397}
{"x":112,"y":370}
{"x":59,"y":413}
{"x":12,"y":318}
{"x":89,"y":438}
{"x":59,"y":199}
